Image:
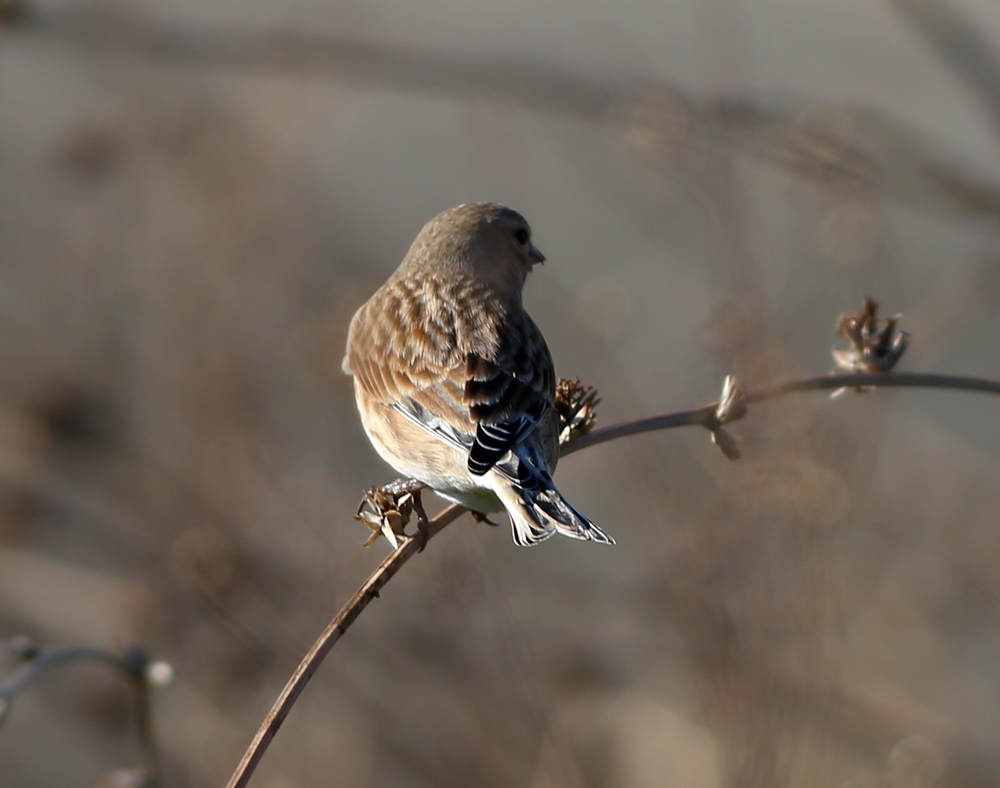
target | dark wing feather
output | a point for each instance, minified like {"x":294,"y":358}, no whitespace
{"x":493,"y":441}
{"x":507,"y":397}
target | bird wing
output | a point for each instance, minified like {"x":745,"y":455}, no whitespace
{"x":407,"y":339}
{"x":475,"y":376}
{"x":509,"y":394}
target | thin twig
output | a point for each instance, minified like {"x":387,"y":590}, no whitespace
{"x":132,"y":661}
{"x":46,"y":660}
{"x":705,"y":416}
{"x":409,"y":546}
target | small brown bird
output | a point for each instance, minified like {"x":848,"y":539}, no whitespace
{"x":453,"y":379}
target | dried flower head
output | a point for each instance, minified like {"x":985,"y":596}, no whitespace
{"x":386,"y":513}
{"x":732,"y":407}
{"x":733,"y":403}
{"x":873,"y":347}
{"x":575,"y":404}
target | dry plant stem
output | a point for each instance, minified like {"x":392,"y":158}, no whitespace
{"x":132,"y":662}
{"x":704,"y":416}
{"x":410,"y":546}
{"x":51,"y":658}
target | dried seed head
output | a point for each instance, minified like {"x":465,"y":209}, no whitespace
{"x":732,"y":407}
{"x":575,"y":404}
{"x":385,"y":514}
{"x":727,"y":443}
{"x":873,"y":348}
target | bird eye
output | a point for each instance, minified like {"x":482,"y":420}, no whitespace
{"x":522,"y":236}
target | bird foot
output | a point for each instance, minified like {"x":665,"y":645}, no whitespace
{"x":479,"y":517}
{"x":386,"y":510}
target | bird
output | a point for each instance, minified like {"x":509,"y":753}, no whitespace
{"x":454,"y":382}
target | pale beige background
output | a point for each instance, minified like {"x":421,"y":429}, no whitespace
{"x":182,"y":246}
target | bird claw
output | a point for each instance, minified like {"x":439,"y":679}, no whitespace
{"x":479,"y":517}
{"x":387,"y":510}
{"x":423,"y":530}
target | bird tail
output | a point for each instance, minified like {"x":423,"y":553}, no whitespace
{"x":538,"y":511}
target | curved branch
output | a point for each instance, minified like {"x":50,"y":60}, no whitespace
{"x":132,"y":661}
{"x":705,"y":416}
{"x":48,"y":659}
{"x":409,"y":546}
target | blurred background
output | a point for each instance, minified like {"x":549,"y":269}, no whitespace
{"x":196,"y":196}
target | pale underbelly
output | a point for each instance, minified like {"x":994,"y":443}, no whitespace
{"x":416,"y":454}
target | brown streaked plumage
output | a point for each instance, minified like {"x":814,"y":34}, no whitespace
{"x":453,"y":379}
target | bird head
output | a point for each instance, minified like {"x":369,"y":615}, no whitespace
{"x":488,"y":241}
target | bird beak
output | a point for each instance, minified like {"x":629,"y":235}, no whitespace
{"x":535,"y":254}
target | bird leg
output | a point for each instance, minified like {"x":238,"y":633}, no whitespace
{"x":401,"y":487}
{"x":414,"y":489}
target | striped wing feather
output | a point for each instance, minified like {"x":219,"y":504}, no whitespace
{"x":463,"y":361}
